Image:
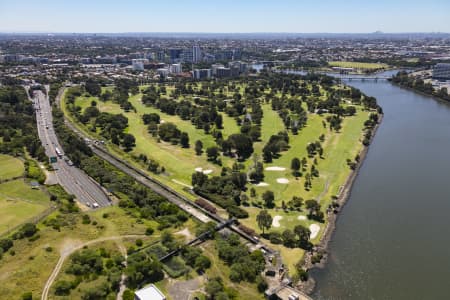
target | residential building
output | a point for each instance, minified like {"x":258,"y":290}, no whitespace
{"x":214,"y":68}
{"x":149,"y":293}
{"x":138,"y":64}
{"x":199,"y":74}
{"x":223,"y":72}
{"x":175,"y":68}
{"x":163,"y":72}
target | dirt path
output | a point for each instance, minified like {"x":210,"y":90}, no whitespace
{"x":123,"y":277}
{"x":70,"y":248}
{"x":325,"y":190}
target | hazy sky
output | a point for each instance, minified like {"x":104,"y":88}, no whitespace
{"x":225,"y":16}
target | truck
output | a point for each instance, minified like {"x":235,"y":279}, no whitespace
{"x":58,"y":152}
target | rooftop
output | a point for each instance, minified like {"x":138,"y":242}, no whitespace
{"x":150,"y":292}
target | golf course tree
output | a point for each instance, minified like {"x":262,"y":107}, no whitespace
{"x":295,"y":203}
{"x":268,"y":198}
{"x":198,"y":147}
{"x":303,"y":235}
{"x":242,"y":144}
{"x":257,"y":172}
{"x":184,"y":140}
{"x":93,"y":87}
{"x":152,"y":117}
{"x":264,"y":220}
{"x":128,"y":142}
{"x":169,"y":132}
{"x":276,"y":144}
{"x":295,"y":166}
{"x":314,"y":212}
{"x":212,"y":153}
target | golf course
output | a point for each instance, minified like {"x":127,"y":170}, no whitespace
{"x":320,"y":124}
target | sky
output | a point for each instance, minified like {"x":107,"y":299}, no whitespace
{"x":297,"y":16}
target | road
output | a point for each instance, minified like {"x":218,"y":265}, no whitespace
{"x":67,"y":251}
{"x":74,"y":180}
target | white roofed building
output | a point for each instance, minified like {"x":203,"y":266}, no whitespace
{"x":150,"y":292}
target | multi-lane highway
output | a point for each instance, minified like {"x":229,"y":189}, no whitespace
{"x":74,"y":180}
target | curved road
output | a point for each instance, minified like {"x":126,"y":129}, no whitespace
{"x":67,"y":252}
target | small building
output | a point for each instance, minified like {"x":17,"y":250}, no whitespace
{"x":150,"y":292}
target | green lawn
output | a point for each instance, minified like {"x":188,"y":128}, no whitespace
{"x":19,"y":203}
{"x":10,"y":167}
{"x":357,"y":65}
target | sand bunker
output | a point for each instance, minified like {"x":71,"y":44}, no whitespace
{"x":314,"y":228}
{"x":283,"y":180}
{"x":206,"y":172}
{"x":275,"y":169}
{"x":262,"y":184}
{"x":301,"y":218}
{"x":276,"y":221}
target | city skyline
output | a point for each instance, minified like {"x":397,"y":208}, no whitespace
{"x":218,"y":16}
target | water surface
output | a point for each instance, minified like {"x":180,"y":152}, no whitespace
{"x":393,"y":237}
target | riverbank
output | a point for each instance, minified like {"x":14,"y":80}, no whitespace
{"x":436,"y":97}
{"x":322,"y":247}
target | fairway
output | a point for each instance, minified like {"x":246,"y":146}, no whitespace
{"x":19,"y":203}
{"x":10,"y":167}
{"x":357,"y":65}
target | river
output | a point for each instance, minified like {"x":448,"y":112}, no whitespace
{"x":391,"y":239}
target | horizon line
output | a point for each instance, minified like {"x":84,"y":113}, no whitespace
{"x":205,"y":32}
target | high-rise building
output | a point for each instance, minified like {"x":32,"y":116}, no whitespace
{"x":187,"y":56}
{"x":197,"y":54}
{"x":175,"y":54}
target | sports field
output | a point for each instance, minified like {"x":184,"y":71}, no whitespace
{"x":357,"y":65}
{"x":10,"y":167}
{"x":19,"y":203}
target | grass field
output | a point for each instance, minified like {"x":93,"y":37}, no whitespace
{"x":357,"y":65}
{"x":33,"y":264}
{"x":19,"y":203}
{"x":10,"y":167}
